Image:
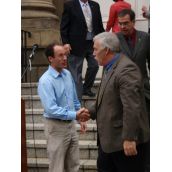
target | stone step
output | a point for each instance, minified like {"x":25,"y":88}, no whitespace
{"x":34,"y":101}
{"x":31,"y":88}
{"x":36,"y":116}
{"x":37,"y":148}
{"x":38,"y":133}
{"x":42,"y":165}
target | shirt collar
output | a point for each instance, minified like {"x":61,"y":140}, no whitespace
{"x":108,"y":66}
{"x":132,"y":36}
{"x":55,"y":73}
{"x":82,"y":3}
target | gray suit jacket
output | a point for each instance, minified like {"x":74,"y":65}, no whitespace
{"x":120,"y":107}
{"x":140,"y":55}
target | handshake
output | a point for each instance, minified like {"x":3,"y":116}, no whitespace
{"x":82,"y":115}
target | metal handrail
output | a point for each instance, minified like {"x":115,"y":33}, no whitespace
{"x":24,"y":48}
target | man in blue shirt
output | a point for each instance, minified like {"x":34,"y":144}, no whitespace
{"x":61,"y":107}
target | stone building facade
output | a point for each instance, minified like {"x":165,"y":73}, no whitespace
{"x":42,"y":19}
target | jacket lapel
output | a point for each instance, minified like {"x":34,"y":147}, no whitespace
{"x":79,"y":11}
{"x":105,"y":82}
{"x":137,"y":44}
{"x":92,"y":9}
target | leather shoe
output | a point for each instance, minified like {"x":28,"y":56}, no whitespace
{"x":89,"y":93}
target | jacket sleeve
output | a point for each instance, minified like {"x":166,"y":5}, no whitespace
{"x":101,"y":28}
{"x":148,"y":56}
{"x":92,"y":111}
{"x":130,"y":86}
{"x":111,"y":19}
{"x":65,"y":24}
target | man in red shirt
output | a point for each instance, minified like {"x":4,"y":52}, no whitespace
{"x":113,"y":14}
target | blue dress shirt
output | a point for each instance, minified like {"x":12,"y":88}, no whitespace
{"x":58,"y":94}
{"x":108,"y":66}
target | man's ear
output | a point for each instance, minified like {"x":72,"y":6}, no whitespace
{"x":50,"y":58}
{"x":107,"y":51}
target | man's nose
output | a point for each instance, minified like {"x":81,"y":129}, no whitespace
{"x":122,"y":26}
{"x":65,"y":57}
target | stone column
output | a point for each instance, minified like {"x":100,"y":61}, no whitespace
{"x":40,"y":17}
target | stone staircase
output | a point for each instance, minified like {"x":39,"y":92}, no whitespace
{"x":36,"y":144}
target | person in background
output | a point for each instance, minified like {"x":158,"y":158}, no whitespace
{"x":57,"y":92}
{"x":120,"y":110}
{"x":136,"y":45}
{"x":115,"y":8}
{"x":81,"y":20}
{"x":146,"y":14}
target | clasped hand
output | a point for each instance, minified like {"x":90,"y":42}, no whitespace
{"x":82,"y":115}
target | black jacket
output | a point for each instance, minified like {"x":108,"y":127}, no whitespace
{"x":73,"y":26}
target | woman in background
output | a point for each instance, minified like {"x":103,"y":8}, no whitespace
{"x":115,"y":8}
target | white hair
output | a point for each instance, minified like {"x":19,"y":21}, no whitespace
{"x":108,"y":40}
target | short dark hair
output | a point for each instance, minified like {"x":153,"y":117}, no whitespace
{"x":124,"y":12}
{"x":49,"y":50}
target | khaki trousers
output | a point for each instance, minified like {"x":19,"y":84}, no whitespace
{"x":62,"y":145}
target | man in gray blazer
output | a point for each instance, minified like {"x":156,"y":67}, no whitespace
{"x":120,"y":111}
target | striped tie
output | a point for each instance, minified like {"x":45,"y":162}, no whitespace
{"x":88,"y":17}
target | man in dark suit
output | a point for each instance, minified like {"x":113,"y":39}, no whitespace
{"x":120,"y":110}
{"x":81,"y":20}
{"x":136,"y":45}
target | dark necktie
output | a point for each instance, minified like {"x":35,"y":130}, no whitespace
{"x":130,"y":44}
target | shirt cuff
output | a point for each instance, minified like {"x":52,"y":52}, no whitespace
{"x":71,"y":115}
